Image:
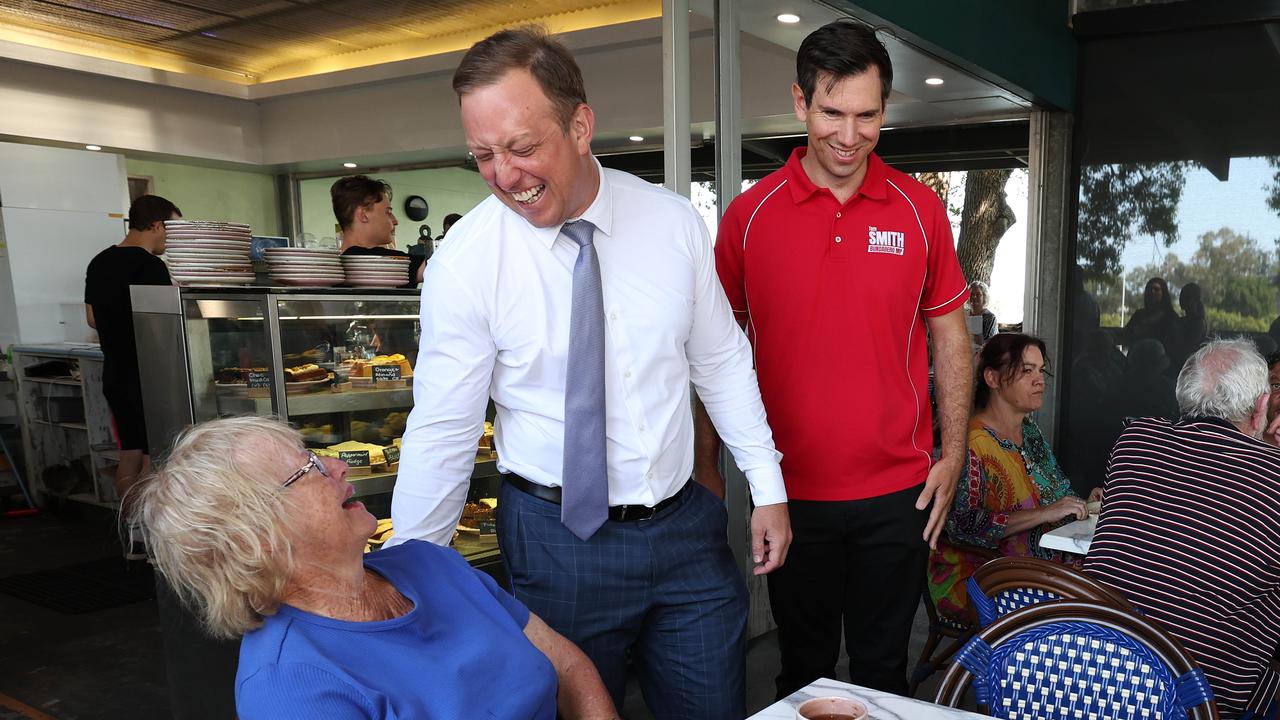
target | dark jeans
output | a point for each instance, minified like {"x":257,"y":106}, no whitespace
{"x":665,"y":589}
{"x":856,"y":563}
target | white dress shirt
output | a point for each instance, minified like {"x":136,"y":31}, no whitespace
{"x":495,"y":322}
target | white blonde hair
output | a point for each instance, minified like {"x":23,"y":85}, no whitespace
{"x":218,"y":520}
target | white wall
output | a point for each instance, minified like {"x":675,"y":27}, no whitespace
{"x":59,"y":208}
{"x":46,"y":103}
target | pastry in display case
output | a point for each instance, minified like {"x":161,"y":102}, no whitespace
{"x":337,"y":364}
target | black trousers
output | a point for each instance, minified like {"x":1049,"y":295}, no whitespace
{"x":857,"y":565}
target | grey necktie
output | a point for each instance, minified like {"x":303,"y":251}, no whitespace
{"x":586,"y":477}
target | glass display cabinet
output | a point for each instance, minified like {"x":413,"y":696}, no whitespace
{"x":335,"y":363}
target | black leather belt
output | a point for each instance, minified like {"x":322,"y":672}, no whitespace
{"x":616,"y":512}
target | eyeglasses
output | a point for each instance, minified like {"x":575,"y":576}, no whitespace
{"x":312,"y":462}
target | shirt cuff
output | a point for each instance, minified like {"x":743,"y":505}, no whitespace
{"x":767,"y":487}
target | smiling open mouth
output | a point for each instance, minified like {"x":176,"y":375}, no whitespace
{"x":351,"y":497}
{"x":530,"y":196}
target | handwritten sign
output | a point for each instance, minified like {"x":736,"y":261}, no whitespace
{"x":259,"y":379}
{"x":354,"y":458}
{"x":393,"y":454}
{"x":386,"y":373}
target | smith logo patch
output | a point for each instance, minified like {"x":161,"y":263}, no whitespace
{"x":885,"y":241}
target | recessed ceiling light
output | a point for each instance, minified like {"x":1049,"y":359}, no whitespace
{"x":636,"y":138}
{"x":92,"y":147}
{"x":348,"y":164}
{"x":789,"y":18}
{"x":933,"y":81}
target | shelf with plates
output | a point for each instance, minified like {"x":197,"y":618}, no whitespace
{"x":320,"y":401}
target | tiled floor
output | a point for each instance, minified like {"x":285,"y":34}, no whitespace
{"x":109,"y":664}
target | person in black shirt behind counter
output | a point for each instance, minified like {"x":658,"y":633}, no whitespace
{"x":362,"y":207}
{"x":109,"y":310}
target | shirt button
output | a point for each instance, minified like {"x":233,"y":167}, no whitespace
{"x":613,"y":316}
{"x":641,"y":427}
{"x":627,"y":374}
{"x":837,"y":238}
{"x":837,"y":214}
{"x":648,"y":476}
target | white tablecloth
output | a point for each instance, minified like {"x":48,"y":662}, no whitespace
{"x":880,"y":705}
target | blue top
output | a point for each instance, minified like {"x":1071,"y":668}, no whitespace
{"x":460,"y":653}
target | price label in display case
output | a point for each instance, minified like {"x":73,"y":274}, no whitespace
{"x":387,"y":376}
{"x":357,"y":461}
{"x":393,"y":454}
{"x":259,"y":383}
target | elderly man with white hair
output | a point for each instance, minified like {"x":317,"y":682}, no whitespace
{"x":1190,"y":525}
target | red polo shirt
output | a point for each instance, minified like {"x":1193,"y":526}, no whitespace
{"x":837,"y":297}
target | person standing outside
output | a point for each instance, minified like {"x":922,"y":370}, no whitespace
{"x":362,"y":207}
{"x":836,"y":265}
{"x":584,"y":301}
{"x":108,"y":309}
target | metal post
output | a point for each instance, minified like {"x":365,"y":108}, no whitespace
{"x":728,"y":105}
{"x":728,"y":182}
{"x":675,"y":95}
{"x":1048,"y":269}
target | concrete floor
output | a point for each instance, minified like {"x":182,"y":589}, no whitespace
{"x":109,"y":665}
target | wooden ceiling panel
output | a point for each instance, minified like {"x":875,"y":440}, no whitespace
{"x":269,"y":39}
{"x":75,"y":20}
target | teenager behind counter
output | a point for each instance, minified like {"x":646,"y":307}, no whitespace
{"x":362,"y":207}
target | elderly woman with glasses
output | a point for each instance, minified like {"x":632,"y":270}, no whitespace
{"x":1012,"y":489}
{"x":265,"y":541}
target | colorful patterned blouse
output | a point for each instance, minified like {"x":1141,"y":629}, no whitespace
{"x":999,"y":479}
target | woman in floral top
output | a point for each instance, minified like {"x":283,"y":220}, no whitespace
{"x":1013,"y":489}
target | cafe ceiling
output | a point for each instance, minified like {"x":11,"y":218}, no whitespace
{"x":257,"y":41}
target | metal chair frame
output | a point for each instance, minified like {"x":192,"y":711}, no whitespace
{"x":958,"y":630}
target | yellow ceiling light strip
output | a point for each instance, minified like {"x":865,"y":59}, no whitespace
{"x":76,"y":43}
{"x":615,"y":13}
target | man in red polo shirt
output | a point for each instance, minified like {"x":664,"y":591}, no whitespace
{"x":836,"y":266}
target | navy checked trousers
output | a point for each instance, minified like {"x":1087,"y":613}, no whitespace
{"x":665,"y":590}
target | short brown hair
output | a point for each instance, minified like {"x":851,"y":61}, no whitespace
{"x":528,"y":47}
{"x":1003,"y":353}
{"x":842,"y":49}
{"x":148,"y":210}
{"x":355,"y":191}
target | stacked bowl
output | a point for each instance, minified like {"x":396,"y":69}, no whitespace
{"x":207,"y":252}
{"x":304,"y":267}
{"x":385,"y":271}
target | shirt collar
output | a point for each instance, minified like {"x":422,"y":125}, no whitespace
{"x":1222,"y":422}
{"x":598,"y":213}
{"x":874,"y":183}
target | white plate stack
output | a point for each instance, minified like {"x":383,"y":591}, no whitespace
{"x":304,"y":267}
{"x":207,"y":252}
{"x":386,"y":271}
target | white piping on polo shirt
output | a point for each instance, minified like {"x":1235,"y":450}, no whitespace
{"x":745,"y":232}
{"x":914,"y":316}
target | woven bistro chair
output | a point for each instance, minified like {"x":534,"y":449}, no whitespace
{"x":1067,"y":659}
{"x":1012,"y":583}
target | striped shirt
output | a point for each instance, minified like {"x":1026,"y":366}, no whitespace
{"x":1190,"y":534}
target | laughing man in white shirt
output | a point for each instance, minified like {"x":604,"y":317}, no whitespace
{"x":584,"y":301}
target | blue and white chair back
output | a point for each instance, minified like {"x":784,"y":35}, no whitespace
{"x":1012,"y":583}
{"x":1078,"y":660}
